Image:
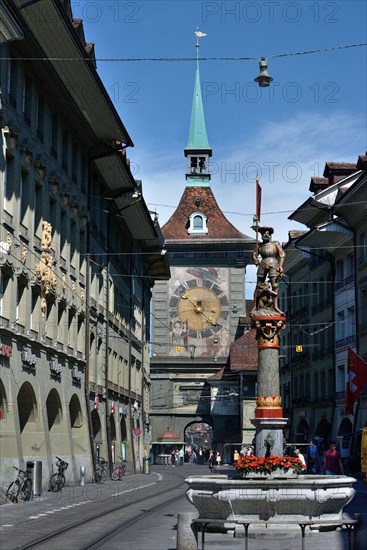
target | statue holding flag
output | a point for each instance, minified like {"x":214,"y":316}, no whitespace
{"x":271,"y":264}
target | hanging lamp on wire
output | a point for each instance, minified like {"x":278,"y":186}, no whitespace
{"x":263,"y":79}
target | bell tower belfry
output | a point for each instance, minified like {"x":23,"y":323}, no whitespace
{"x":198,"y":150}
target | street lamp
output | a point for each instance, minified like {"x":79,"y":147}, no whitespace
{"x":263,"y":79}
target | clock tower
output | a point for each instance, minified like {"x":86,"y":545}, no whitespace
{"x":196,"y":313}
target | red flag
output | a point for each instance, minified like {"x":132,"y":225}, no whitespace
{"x":258,"y":199}
{"x":356,"y":379}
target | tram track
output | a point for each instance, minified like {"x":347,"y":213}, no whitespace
{"x":107,"y":522}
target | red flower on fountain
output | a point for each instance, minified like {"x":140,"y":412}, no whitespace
{"x":251,"y":464}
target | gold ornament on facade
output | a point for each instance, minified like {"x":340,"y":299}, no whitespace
{"x":73,"y":289}
{"x":9,"y":241}
{"x":82,"y":296}
{"x":44,"y":270}
{"x":46,"y":236}
{"x":13,"y":140}
{"x":41,"y":171}
{"x":27,"y":155}
{"x":63,"y":281}
{"x":24,"y":253}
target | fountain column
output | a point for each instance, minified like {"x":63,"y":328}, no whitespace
{"x":269,"y":421}
{"x":268,"y":320}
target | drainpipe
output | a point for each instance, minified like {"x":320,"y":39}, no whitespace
{"x":87,"y":357}
{"x":107,"y":419}
{"x":131,"y":301}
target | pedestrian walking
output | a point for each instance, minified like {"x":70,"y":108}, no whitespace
{"x":332,"y":461}
{"x":298,"y":454}
{"x":236,"y":455}
{"x":218,"y":459}
{"x":211,"y":461}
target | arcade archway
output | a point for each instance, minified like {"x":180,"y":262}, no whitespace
{"x":53,"y":409}
{"x":27,"y":405}
{"x":75,"y":412}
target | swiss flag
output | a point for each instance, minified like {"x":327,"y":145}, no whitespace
{"x":356,"y":379}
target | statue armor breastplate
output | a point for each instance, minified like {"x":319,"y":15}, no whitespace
{"x":268,"y":252}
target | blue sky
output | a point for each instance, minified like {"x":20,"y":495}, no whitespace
{"x":314,"y":111}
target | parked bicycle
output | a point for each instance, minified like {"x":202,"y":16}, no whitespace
{"x":20,"y":488}
{"x":120,"y":470}
{"x":57,"y":480}
{"x":100,"y":474}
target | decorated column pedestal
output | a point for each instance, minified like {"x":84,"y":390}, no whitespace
{"x":269,"y":421}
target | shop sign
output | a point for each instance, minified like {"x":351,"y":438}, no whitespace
{"x":30,"y":359}
{"x":137,"y":431}
{"x":76,"y":374}
{"x":5,"y":350}
{"x":56,"y":368}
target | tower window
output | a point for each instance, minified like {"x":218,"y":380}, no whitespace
{"x":197,"y":223}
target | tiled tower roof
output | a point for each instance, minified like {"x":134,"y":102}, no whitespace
{"x":219,"y":228}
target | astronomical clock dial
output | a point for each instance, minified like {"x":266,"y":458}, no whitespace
{"x":201,"y":306}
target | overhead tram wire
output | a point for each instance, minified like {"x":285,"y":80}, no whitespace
{"x":182,"y":59}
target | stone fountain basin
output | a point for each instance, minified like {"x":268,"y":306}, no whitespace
{"x":295,"y":498}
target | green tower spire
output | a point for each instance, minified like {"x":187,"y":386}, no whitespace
{"x":198,"y":149}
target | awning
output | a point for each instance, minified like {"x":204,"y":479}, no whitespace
{"x":311,"y":213}
{"x":329,"y":236}
{"x":53,"y":31}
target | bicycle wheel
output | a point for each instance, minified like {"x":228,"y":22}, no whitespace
{"x":53,"y":485}
{"x":116,"y":474}
{"x":26,"y":492}
{"x":13,"y":491}
{"x":60,"y":481}
{"x":97,"y":476}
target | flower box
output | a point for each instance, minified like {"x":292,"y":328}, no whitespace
{"x":274,"y":466}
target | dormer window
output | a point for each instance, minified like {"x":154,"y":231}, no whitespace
{"x":197,"y":223}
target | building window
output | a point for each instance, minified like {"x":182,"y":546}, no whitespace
{"x":8,"y":179}
{"x":23,"y":198}
{"x":3,"y":286}
{"x":40,"y":117}
{"x":363,"y":309}
{"x":19,"y":305}
{"x":362,"y":248}
{"x":75,"y":163}
{"x":54,"y":135}
{"x":27,"y":99}
{"x":38,"y":207}
{"x":197,"y":224}
{"x":340,"y":325}
{"x":33,"y":317}
{"x":340,"y":378}
{"x":316,"y":386}
{"x":65,"y":150}
{"x":13,"y":83}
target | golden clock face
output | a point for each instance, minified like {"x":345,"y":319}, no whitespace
{"x":199,"y":307}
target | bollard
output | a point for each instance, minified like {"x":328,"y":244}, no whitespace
{"x":82,"y":476}
{"x":187,"y":532}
